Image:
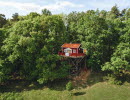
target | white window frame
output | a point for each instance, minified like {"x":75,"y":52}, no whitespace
{"x":67,"y":49}
{"x":74,"y":51}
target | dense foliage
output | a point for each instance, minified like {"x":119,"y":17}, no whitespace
{"x":29,"y":44}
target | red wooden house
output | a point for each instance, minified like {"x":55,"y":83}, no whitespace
{"x":71,"y":50}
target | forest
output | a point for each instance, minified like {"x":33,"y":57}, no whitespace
{"x":29,"y":44}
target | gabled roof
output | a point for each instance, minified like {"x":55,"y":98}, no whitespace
{"x":71,"y":45}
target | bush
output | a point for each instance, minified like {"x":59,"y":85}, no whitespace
{"x":113,"y":80}
{"x":69,"y":86}
{"x":11,"y":96}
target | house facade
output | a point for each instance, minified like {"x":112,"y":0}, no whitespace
{"x":71,"y":50}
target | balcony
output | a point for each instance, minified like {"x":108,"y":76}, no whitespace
{"x":72,"y":55}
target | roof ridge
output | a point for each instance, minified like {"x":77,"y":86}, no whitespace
{"x":71,"y":45}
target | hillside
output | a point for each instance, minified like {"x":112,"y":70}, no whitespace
{"x":95,"y":89}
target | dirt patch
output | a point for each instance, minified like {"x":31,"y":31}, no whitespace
{"x":81,"y":79}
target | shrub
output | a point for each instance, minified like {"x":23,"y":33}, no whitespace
{"x":69,"y":86}
{"x":113,"y":79}
{"x":11,"y":96}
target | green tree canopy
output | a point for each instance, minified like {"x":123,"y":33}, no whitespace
{"x":32,"y":47}
{"x":46,"y":12}
{"x":3,"y":20}
{"x":15,"y":17}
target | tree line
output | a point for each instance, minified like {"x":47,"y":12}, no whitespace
{"x":29,"y":44}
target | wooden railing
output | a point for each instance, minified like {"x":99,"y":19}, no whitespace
{"x":71,"y":54}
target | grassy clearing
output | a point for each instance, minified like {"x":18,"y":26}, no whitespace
{"x":105,"y":91}
{"x":95,"y":89}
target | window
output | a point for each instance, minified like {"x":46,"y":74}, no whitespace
{"x":74,"y":51}
{"x":65,"y":50}
{"x":68,"y":50}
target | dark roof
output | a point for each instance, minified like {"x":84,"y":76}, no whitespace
{"x":71,"y":45}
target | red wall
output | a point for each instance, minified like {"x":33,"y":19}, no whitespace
{"x":72,"y":50}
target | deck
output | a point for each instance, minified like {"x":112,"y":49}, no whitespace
{"x":79,"y":55}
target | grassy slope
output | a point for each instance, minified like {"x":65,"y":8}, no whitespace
{"x":97,"y":90}
{"x":105,"y":91}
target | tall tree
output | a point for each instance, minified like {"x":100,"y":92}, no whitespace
{"x":115,"y":10}
{"x":92,"y":31}
{"x":32,"y":15}
{"x":15,"y":17}
{"x":46,"y":12}
{"x":4,"y":70}
{"x":2,"y":20}
{"x":32,"y":47}
{"x":114,"y":13}
{"x":127,"y":14}
{"x":123,"y":12}
{"x":72,"y":26}
{"x":119,"y":63}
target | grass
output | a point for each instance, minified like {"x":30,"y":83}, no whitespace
{"x":95,"y":89}
{"x":105,"y":91}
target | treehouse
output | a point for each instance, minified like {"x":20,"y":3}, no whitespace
{"x":72,"y":50}
{"x":75,"y":55}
